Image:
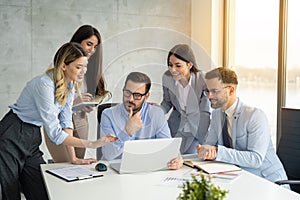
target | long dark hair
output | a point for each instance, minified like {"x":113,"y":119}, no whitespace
{"x":95,"y":80}
{"x":184,"y":53}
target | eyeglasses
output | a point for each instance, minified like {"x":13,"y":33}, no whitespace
{"x":213,"y":92}
{"x":136,"y":96}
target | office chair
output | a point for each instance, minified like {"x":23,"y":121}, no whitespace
{"x":289,"y":147}
{"x":99,"y":113}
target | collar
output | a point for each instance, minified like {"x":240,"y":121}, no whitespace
{"x":231,"y":109}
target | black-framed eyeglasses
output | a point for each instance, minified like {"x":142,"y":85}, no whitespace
{"x":136,"y":95}
{"x":213,"y":92}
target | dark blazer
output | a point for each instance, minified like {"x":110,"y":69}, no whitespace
{"x":196,"y":118}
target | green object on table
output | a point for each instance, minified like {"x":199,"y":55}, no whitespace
{"x":201,"y":189}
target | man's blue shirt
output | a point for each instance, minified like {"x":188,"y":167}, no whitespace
{"x":114,"y":119}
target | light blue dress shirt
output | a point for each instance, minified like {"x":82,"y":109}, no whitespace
{"x":37,"y":105}
{"x":114,"y":119}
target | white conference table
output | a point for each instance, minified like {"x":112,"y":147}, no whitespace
{"x":149,"y":185}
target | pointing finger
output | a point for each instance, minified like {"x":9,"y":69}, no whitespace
{"x":130,"y":112}
{"x":198,"y":147}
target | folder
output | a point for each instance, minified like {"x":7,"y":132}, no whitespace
{"x":74,"y":173}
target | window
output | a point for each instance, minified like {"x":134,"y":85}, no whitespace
{"x":253,"y":53}
{"x":293,"y":55}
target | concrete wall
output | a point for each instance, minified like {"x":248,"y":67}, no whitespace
{"x":137,"y":36}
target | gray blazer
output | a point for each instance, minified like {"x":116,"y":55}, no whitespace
{"x":251,"y":139}
{"x":196,"y":118}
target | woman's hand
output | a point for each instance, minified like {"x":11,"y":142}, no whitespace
{"x":105,"y":140}
{"x":87,"y":161}
{"x":85,"y":97}
{"x":87,"y":109}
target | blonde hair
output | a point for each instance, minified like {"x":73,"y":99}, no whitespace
{"x":65,"y":55}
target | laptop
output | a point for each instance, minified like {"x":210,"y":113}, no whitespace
{"x":147,"y":155}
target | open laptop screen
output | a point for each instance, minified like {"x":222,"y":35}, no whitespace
{"x":148,"y":155}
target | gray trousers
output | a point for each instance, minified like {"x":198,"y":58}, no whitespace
{"x":20,"y":159}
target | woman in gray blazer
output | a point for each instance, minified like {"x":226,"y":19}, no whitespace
{"x":183,"y":86}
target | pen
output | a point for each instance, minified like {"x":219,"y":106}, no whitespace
{"x":188,"y":163}
{"x":99,"y":175}
{"x":88,"y":176}
{"x":84,"y":177}
{"x":222,"y":177}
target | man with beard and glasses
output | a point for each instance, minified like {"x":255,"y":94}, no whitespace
{"x":238,"y":134}
{"x":134,"y":119}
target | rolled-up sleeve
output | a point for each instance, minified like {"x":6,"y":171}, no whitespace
{"x":65,"y":115}
{"x":54,"y":116}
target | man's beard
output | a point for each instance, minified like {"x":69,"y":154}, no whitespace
{"x":136,"y":109}
{"x":218,"y":103}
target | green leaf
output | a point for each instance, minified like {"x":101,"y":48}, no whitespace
{"x":201,"y":189}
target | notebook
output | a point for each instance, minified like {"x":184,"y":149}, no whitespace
{"x":212,"y":167}
{"x":98,"y":100}
{"x":147,"y":155}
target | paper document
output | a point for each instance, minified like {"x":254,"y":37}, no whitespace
{"x":221,"y":176}
{"x":74,"y":173}
{"x":174,"y":181}
{"x":226,"y":175}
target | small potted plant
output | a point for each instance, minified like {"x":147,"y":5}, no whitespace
{"x":201,"y":189}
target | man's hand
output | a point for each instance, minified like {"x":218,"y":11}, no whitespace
{"x":176,"y":163}
{"x":207,"y":152}
{"x":134,"y":122}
